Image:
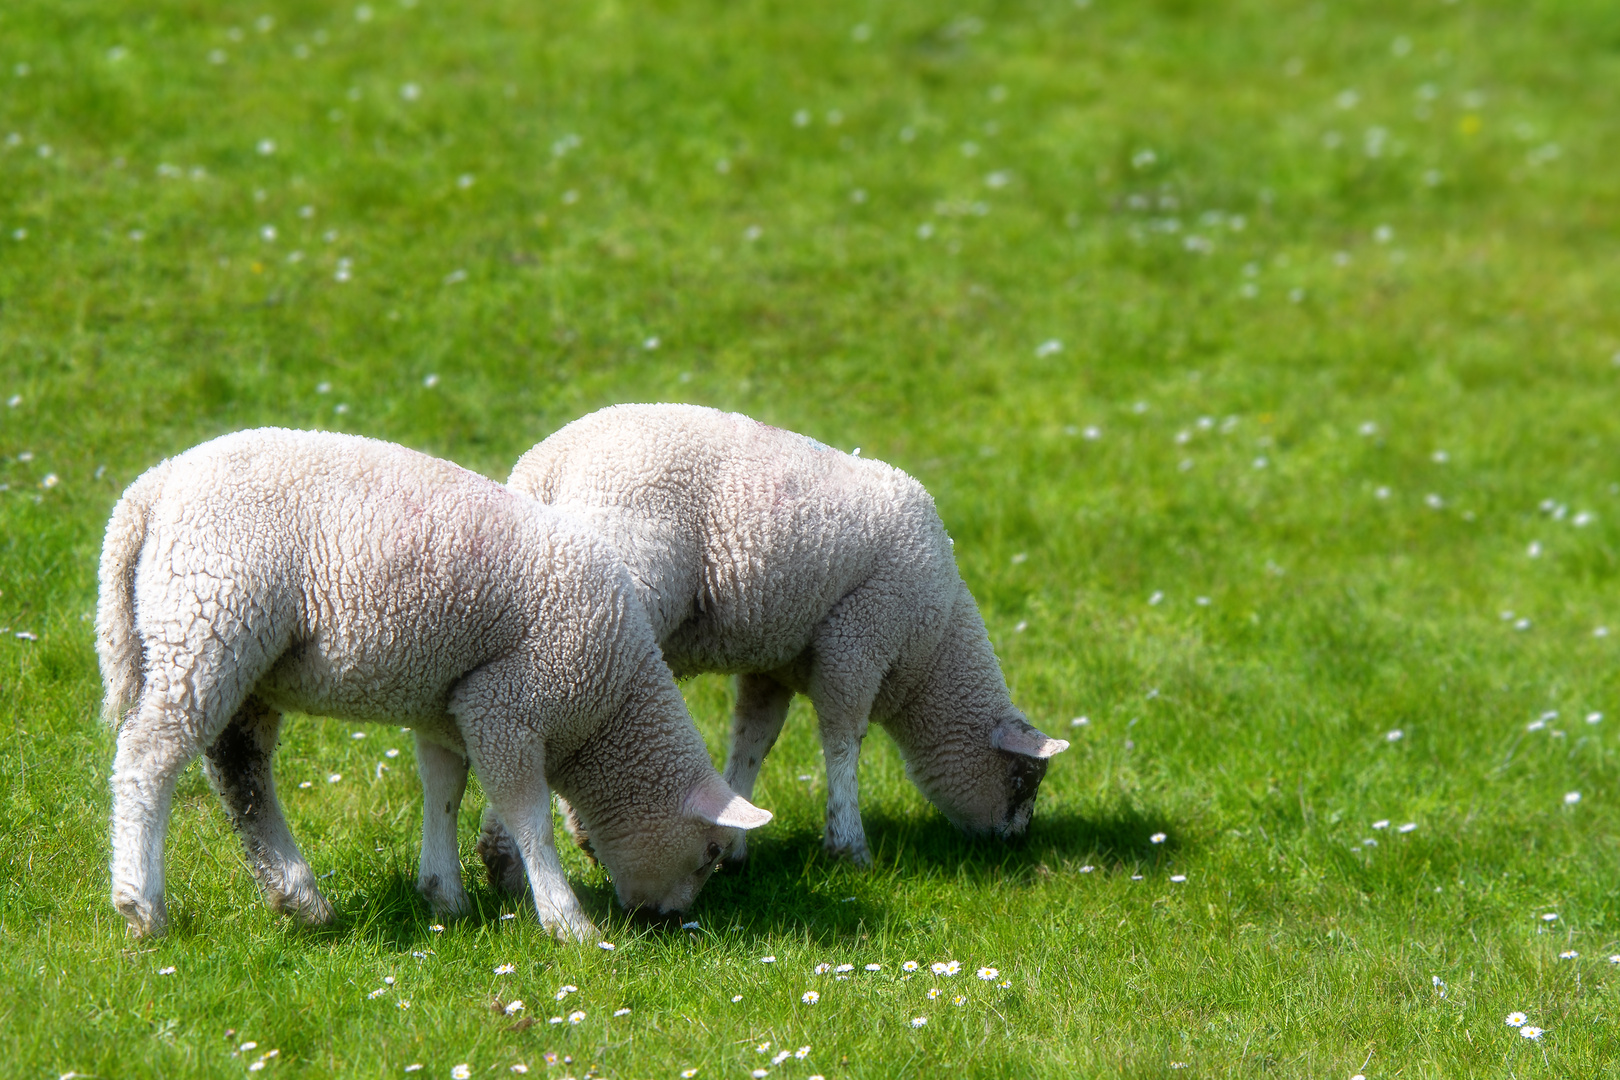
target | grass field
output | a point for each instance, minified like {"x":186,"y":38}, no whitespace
{"x":1263,"y":359}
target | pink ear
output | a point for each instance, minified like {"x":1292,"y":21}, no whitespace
{"x":713,"y":801}
{"x":1016,"y":738}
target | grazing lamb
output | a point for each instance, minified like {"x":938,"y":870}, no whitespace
{"x":799,"y":568}
{"x":274,"y":569}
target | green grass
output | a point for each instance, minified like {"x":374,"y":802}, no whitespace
{"x":572,"y":179}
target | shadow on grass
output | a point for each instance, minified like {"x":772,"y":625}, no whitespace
{"x":790,"y":884}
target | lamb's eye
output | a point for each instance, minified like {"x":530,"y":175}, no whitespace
{"x":714,"y":853}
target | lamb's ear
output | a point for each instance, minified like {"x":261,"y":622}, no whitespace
{"x":1019,"y":738}
{"x":714,"y":801}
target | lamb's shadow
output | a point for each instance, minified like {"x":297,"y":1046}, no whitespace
{"x":789,"y":884}
{"x":1124,"y":838}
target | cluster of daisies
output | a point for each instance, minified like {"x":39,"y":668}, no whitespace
{"x":247,"y":1048}
{"x":780,"y":1056}
{"x":942,"y":968}
{"x":1526,"y":1029}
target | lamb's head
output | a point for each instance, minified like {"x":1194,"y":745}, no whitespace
{"x":986,"y":784}
{"x":660,"y":863}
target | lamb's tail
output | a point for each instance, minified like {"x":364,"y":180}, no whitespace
{"x":118,"y":647}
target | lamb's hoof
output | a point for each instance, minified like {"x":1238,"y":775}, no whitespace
{"x":307,"y":905}
{"x":502,"y":860}
{"x":856,"y":854}
{"x":572,"y":928}
{"x":447,"y":898}
{"x":146,"y":918}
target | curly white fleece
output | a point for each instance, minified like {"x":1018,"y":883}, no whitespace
{"x":764,"y":553}
{"x":273,"y":569}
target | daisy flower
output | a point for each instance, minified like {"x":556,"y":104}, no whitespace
{"x":514,"y":1007}
{"x":822,"y":969}
{"x":1531,"y":1032}
{"x":576,"y":1016}
{"x":959,"y":999}
{"x":810,"y":997}
{"x":802,"y":1052}
{"x":919,"y":1021}
{"x":506,"y":969}
{"x":909,"y":965}
{"x":988,"y":974}
{"x":461,"y":1072}
{"x":934,"y":992}
{"x":1516,"y":1019}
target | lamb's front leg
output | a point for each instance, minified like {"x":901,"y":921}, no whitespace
{"x":762,"y":708}
{"x":522,"y":802}
{"x":239,"y":768}
{"x":841,"y":746}
{"x":444,"y":781}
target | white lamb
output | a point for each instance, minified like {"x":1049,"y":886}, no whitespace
{"x":274,"y":569}
{"x":799,"y":568}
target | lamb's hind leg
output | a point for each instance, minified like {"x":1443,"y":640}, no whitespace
{"x":762,"y":708}
{"x":239,"y":768}
{"x":444,"y":782}
{"x":154,"y":745}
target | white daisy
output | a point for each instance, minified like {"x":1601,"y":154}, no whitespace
{"x":810,"y":997}
{"x":988,"y":974}
{"x":919,"y":1021}
{"x":514,"y":1007}
{"x":1516,"y":1019}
